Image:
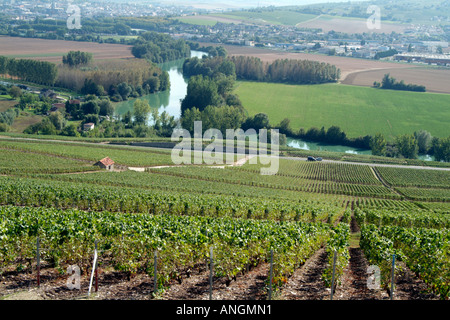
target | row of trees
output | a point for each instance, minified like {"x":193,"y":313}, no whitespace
{"x":209,"y":67}
{"x":285,"y":71}
{"x":410,"y":145}
{"x":253,"y":69}
{"x":77,"y":58}
{"x":332,"y":135}
{"x":391,"y":83}
{"x":119,"y":79}
{"x":40,"y":72}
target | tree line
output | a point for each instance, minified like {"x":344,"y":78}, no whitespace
{"x":333,"y":135}
{"x":39,"y":72}
{"x":159,"y":48}
{"x":391,"y":83}
{"x":77,"y":58}
{"x":285,"y":71}
{"x":409,"y":146}
{"x":119,"y":79}
{"x":280,"y":71}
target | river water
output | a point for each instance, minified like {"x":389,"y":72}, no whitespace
{"x":168,"y":100}
{"x":314,"y":146}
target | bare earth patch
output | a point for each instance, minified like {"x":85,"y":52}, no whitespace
{"x":360,"y":72}
{"x":435,"y":80}
{"x":53,"y":50}
{"x":306,"y":283}
{"x":346,"y":64}
{"x":250,"y":286}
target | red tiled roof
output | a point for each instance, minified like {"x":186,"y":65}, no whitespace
{"x":107,"y":161}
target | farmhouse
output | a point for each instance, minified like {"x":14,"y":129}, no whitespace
{"x":48,"y":93}
{"x":106,"y":163}
{"x":88,"y":126}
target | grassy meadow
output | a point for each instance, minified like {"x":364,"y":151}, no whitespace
{"x":277,"y":17}
{"x":357,"y":110}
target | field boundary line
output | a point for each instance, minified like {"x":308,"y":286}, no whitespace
{"x":379,"y":177}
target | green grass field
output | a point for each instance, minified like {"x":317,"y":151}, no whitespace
{"x":198,"y":20}
{"x":357,"y":110}
{"x":284,"y":17}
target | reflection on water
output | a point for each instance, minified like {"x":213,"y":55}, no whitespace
{"x":313,"y":146}
{"x":168,"y":100}
{"x":426,"y":157}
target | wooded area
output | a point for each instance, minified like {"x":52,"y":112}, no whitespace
{"x":159,"y":48}
{"x":140,"y":76}
{"x":39,"y":72}
{"x":285,"y":70}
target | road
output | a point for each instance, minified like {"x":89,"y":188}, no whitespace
{"x":281,"y":157}
{"x":373,"y":164}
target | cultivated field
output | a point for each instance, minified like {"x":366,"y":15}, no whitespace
{"x":279,"y":17}
{"x":355,"y":71}
{"x":356,"y":110}
{"x":297,"y":219}
{"x":435,"y":80}
{"x":349,"y":25}
{"x":347,"y":65}
{"x":53,"y":50}
{"x":7,"y":104}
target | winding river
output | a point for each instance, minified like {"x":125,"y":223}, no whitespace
{"x":168,"y":100}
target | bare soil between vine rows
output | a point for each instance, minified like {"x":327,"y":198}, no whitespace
{"x":305,"y":284}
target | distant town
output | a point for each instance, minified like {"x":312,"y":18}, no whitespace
{"x":26,"y":10}
{"x":418,"y":43}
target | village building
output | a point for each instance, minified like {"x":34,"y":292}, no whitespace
{"x":88,"y":126}
{"x":106,"y":163}
{"x":57,"y":106}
